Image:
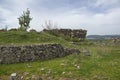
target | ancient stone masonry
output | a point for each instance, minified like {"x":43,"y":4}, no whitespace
{"x":81,"y":34}
{"x":76,"y":33}
{"x":15,"y":54}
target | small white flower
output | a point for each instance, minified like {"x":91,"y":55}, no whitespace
{"x":42,"y":69}
{"x":78,"y":67}
{"x":75,"y":65}
{"x":63,"y":64}
{"x":63,"y":72}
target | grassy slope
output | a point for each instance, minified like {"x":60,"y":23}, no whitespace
{"x":26,"y":38}
{"x":103,"y":64}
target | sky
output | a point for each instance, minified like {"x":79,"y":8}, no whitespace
{"x":98,"y":17}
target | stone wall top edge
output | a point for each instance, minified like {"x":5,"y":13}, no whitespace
{"x":21,"y":45}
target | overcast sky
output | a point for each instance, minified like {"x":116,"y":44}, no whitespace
{"x":97,"y":16}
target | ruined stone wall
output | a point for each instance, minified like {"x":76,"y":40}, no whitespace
{"x":77,"y":33}
{"x":65,"y":32}
{"x":15,"y":54}
{"x":81,"y":34}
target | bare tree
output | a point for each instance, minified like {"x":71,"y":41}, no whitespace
{"x":48,"y":25}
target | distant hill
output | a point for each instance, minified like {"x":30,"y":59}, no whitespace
{"x":102,"y":36}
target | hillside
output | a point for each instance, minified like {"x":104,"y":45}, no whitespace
{"x":28,"y":38}
{"x":102,"y":36}
{"x":101,"y":64}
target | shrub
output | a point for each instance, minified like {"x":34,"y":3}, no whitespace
{"x":13,"y":29}
{"x":75,"y":39}
{"x":3,"y":30}
{"x":32,"y":30}
{"x":68,"y":38}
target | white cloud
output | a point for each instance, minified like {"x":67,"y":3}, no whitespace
{"x":99,"y":23}
{"x":106,"y":2}
{"x":9,"y":18}
{"x":75,"y":18}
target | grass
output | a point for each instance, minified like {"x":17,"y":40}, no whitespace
{"x":28,"y":38}
{"x":103,"y":64}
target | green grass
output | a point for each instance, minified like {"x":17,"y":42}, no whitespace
{"x":28,"y":38}
{"x":103,"y":64}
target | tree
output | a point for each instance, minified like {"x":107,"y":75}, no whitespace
{"x":49,"y":25}
{"x":24,"y":20}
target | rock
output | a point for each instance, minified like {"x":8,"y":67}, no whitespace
{"x":86,"y":52}
{"x":50,"y":78}
{"x":13,"y":76}
{"x":27,"y":78}
{"x":0,"y":60}
{"x":26,"y":73}
{"x":40,"y":78}
{"x":95,"y":77}
{"x":69,"y":79}
{"x":21,"y":77}
{"x":100,"y":77}
{"x":34,"y":77}
{"x":72,"y":51}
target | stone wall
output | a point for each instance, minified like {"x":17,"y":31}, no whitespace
{"x":15,"y":54}
{"x":76,"y":33}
